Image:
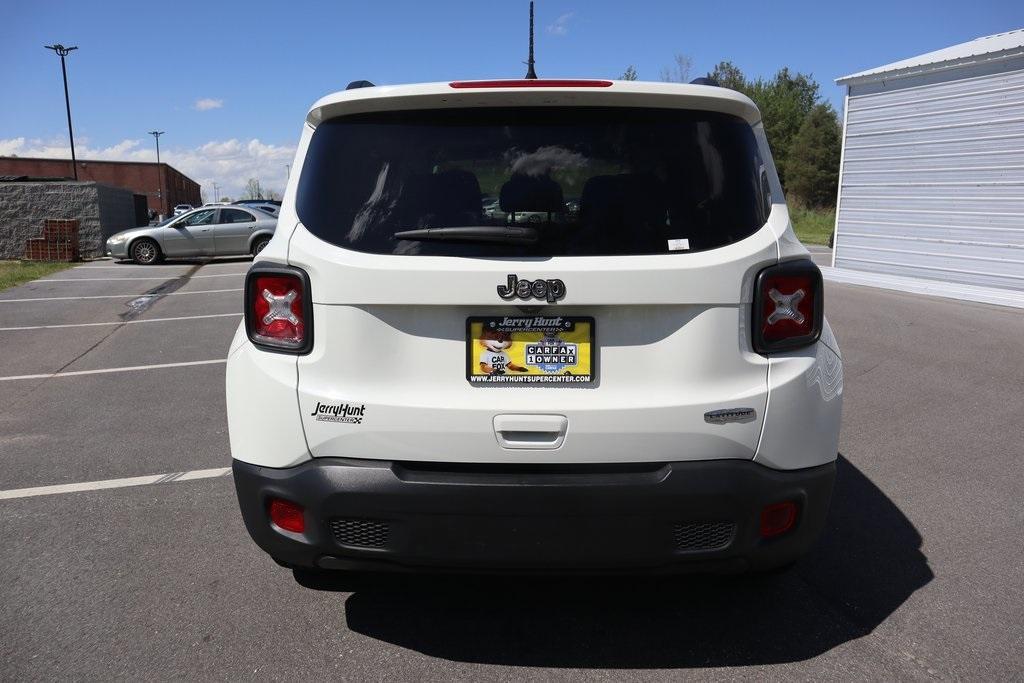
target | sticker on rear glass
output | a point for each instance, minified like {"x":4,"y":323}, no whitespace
{"x":679,"y":245}
{"x":529,"y":350}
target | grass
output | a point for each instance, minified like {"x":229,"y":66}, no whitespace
{"x":14,"y":273}
{"x":812,"y":226}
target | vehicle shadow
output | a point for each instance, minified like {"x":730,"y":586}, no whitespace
{"x":201,"y":260}
{"x":867,"y":563}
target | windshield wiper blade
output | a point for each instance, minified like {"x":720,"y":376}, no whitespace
{"x":473,"y":233}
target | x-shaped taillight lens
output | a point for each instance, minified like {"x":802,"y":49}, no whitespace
{"x":277,"y":310}
{"x":788,"y":307}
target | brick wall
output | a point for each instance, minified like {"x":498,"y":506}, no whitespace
{"x":140,"y":177}
{"x":59,"y":241}
{"x":100,"y":211}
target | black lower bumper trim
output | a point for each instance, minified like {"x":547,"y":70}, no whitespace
{"x":681,"y":516}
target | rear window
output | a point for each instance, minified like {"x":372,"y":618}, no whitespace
{"x":611,"y":181}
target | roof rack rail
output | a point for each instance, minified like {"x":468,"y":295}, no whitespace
{"x":705,"y":80}
{"x":359,"y":84}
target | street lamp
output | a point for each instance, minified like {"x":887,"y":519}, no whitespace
{"x":159,"y":171}
{"x":64,"y":52}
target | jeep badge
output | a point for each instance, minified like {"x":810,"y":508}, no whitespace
{"x":551,"y":290}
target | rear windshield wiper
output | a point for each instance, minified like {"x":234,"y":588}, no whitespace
{"x":475,"y":233}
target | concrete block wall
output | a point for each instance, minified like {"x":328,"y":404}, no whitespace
{"x":100,"y":210}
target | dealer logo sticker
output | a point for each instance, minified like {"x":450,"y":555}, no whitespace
{"x":338,"y":412}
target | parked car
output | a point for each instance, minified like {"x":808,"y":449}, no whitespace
{"x":650,"y":386}
{"x":492,"y":210}
{"x":272,"y":209}
{"x":275,"y":202}
{"x":182,"y":208}
{"x":214,"y":231}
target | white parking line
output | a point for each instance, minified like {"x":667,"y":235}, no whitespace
{"x":120,"y":322}
{"x":157,"y":269}
{"x":112,"y":279}
{"x":102,"y":371}
{"x":115,"y":296}
{"x":114,"y":483}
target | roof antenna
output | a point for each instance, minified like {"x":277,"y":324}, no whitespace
{"x":530,"y":73}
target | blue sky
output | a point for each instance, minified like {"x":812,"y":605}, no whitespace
{"x":230,"y":82}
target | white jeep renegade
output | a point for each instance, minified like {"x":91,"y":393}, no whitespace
{"x":622,"y":364}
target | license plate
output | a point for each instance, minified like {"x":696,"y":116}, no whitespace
{"x":530,"y":350}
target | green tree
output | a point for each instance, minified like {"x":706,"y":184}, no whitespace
{"x":729,"y":76}
{"x":630,"y":74}
{"x":814,"y":158}
{"x":784,"y":101}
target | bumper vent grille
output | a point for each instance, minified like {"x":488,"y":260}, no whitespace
{"x":703,"y":535}
{"x":362,"y":533}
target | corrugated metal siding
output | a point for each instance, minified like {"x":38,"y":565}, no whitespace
{"x":933,"y":178}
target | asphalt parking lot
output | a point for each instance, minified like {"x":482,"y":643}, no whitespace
{"x":920,"y":574}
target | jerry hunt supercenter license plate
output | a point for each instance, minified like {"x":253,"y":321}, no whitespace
{"x":528,"y":349}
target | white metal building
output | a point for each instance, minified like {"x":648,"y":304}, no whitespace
{"x":931,"y":185}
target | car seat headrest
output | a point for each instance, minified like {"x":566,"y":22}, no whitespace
{"x":531,"y":193}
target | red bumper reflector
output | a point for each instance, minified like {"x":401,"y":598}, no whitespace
{"x":778,"y":518}
{"x":287,"y":515}
{"x":532,"y":83}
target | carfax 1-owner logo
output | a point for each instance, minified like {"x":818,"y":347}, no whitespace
{"x":338,"y":412}
{"x":529,"y":350}
{"x":552,"y":353}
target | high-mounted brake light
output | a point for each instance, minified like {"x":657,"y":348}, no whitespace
{"x":532,"y":83}
{"x":788,"y":307}
{"x":287,"y":515}
{"x":278,"y":310}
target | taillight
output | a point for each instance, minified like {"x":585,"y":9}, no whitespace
{"x":287,"y":515}
{"x":788,"y":307}
{"x":278,"y":309}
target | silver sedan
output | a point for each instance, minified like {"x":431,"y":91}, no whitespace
{"x":210,"y":231}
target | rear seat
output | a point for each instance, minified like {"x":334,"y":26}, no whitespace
{"x":624,"y":212}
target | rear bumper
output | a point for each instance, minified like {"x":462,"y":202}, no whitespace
{"x":380,"y":515}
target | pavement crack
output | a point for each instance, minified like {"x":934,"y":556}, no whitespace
{"x":146,"y":301}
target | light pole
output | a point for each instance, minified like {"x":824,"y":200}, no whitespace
{"x":63,"y":52}
{"x":216,"y":193}
{"x":159,"y":171}
{"x":287,"y":171}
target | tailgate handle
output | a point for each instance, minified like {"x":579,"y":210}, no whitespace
{"x":530,"y":431}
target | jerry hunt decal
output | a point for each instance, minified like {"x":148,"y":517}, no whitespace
{"x":338,"y":412}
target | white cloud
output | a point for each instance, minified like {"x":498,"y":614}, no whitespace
{"x":229,"y":163}
{"x":207,"y":103}
{"x":11,"y":146}
{"x":561,"y":25}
